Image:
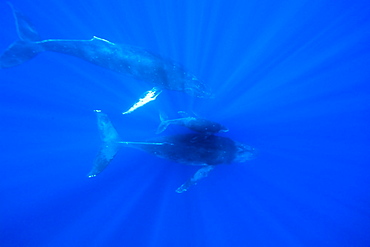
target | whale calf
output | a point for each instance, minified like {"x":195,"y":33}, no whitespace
{"x":133,"y":61}
{"x":194,"y":123}
{"x":206,"y":151}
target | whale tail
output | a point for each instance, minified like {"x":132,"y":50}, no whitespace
{"x":110,"y":146}
{"x":25,"y":47}
{"x":164,"y":123}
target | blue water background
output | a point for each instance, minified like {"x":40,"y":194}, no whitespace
{"x":291,"y":78}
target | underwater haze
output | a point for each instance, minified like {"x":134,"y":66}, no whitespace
{"x":290,"y":78}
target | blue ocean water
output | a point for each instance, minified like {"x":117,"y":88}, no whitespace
{"x":290,"y":78}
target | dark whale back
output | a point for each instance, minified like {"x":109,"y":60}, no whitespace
{"x":193,"y":149}
{"x":205,"y":126}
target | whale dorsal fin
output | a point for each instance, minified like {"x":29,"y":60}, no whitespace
{"x":183,"y":114}
{"x":101,"y":40}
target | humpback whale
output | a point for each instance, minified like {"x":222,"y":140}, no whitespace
{"x":196,"y":124}
{"x":206,"y":151}
{"x":133,"y":61}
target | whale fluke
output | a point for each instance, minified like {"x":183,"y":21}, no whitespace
{"x":25,"y":48}
{"x":25,"y":29}
{"x":18,"y":53}
{"x":164,"y":123}
{"x":110,"y":146}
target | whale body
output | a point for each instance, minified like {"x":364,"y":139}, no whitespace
{"x":206,"y":151}
{"x":125,"y":59}
{"x":194,"y":123}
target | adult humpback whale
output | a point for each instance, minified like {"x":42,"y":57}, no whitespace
{"x":129,"y":60}
{"x":202,"y":150}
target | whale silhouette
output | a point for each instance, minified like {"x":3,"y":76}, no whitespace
{"x":206,"y":151}
{"x":194,"y":123}
{"x":125,"y":59}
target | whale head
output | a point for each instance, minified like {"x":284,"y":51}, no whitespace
{"x":244,"y":153}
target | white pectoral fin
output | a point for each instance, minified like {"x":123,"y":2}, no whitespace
{"x":201,"y":173}
{"x":149,"y":96}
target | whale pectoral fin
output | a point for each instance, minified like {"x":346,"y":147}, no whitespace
{"x":201,"y":173}
{"x":148,"y":96}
